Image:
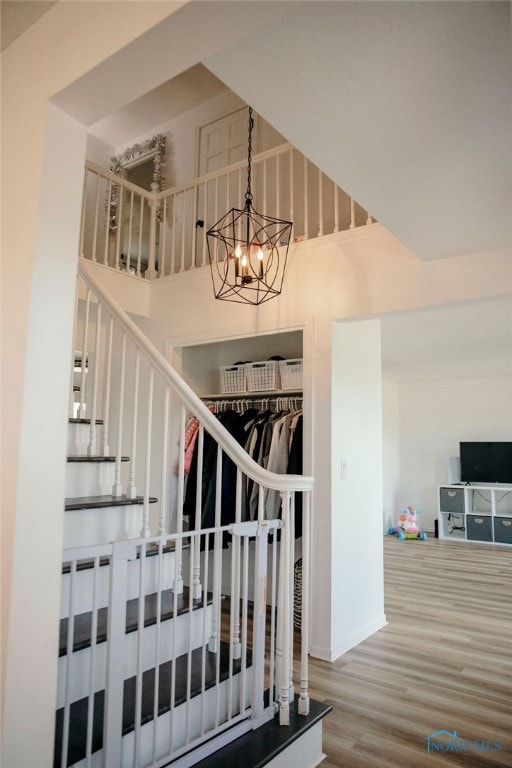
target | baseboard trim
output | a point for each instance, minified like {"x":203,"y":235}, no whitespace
{"x":331,"y":654}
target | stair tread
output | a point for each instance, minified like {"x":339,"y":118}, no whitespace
{"x":84,"y":421}
{"x":96,"y":502}
{"x":82,"y":625}
{"x":151,"y":551}
{"x":100,"y":459}
{"x":262,"y":745}
{"x":78,"y":709}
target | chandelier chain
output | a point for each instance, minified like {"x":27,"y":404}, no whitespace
{"x":248,"y":194}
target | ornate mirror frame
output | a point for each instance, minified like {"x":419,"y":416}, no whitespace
{"x":155,"y":147}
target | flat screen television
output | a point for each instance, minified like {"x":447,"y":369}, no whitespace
{"x":486,"y":462}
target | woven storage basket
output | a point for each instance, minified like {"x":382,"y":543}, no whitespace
{"x":290,"y":374}
{"x":232,"y":379}
{"x":263,"y":376}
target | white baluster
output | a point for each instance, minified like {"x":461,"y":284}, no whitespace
{"x":73,"y":361}
{"x":68,"y":666}
{"x":213,"y":645}
{"x":158,"y":630}
{"x":131,"y":491}
{"x":91,"y":448}
{"x":92,"y":662}
{"x":162,"y":519}
{"x":145,"y":532}
{"x":107,"y":223}
{"x":205,"y":217}
{"x":116,"y":632}
{"x":320,"y":204}
{"x":119,"y":225}
{"x":235,"y":579}
{"x":178,"y":584}
{"x":352,"y":213}
{"x":173,"y":249}
{"x":130,"y":228}
{"x":84,"y":365}
{"x":193,"y":264}
{"x":336,"y":210}
{"x":105,"y":448}
{"x":141,"y":229}
{"x":140,"y":658}
{"x":260,"y":589}
{"x":306,"y":550}
{"x":96,"y":211}
{"x":117,"y":489}
{"x":163,"y":243}
{"x":151,"y":271}
{"x":199,"y":503}
{"x":183,"y":221}
{"x":284,"y":612}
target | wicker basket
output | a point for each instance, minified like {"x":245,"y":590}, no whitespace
{"x":290,"y":373}
{"x":262,"y":377}
{"x":232,"y":379}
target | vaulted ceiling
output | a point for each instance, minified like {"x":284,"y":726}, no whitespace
{"x":407,"y":106}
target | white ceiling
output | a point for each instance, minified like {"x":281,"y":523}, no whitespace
{"x":147,"y":113}
{"x":425,"y":145}
{"x":16,"y":16}
{"x":471,"y":339}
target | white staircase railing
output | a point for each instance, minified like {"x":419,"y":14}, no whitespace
{"x":138,"y":409}
{"x":157,"y":234}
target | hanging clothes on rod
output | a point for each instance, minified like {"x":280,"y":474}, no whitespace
{"x":271,"y":434}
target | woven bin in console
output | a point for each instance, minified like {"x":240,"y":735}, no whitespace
{"x":263,"y":376}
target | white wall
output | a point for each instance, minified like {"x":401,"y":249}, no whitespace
{"x":181,"y":136}
{"x":357,"y":597}
{"x":434,"y":417}
{"x":42,"y":174}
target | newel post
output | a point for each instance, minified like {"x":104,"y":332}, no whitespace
{"x":153,"y":205}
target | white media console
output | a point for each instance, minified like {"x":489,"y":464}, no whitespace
{"x":479,"y":513}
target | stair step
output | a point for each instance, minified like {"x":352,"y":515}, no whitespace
{"x":83,"y":621}
{"x":79,"y":709}
{"x":151,"y":551}
{"x":99,"y":459}
{"x":84,"y":421}
{"x":97,"y":502}
{"x":261,"y":746}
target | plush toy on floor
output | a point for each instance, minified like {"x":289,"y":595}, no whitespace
{"x":407,"y":527}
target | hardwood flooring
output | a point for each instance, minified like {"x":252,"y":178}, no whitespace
{"x":443,"y":662}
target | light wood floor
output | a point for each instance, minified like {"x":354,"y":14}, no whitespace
{"x":444,"y":661}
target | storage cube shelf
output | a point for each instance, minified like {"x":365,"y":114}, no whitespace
{"x":476,"y":513}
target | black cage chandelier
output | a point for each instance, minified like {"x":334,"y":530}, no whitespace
{"x":248,"y":250}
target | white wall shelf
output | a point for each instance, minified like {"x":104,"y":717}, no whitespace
{"x":476,"y":513}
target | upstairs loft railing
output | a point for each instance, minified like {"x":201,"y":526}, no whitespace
{"x":138,"y":407}
{"x":154,"y":235}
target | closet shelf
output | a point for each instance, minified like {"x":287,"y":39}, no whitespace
{"x":254,"y":395}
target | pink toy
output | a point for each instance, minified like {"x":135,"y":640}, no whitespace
{"x":407,"y":527}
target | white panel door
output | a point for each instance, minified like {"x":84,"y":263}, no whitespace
{"x":223,"y":142}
